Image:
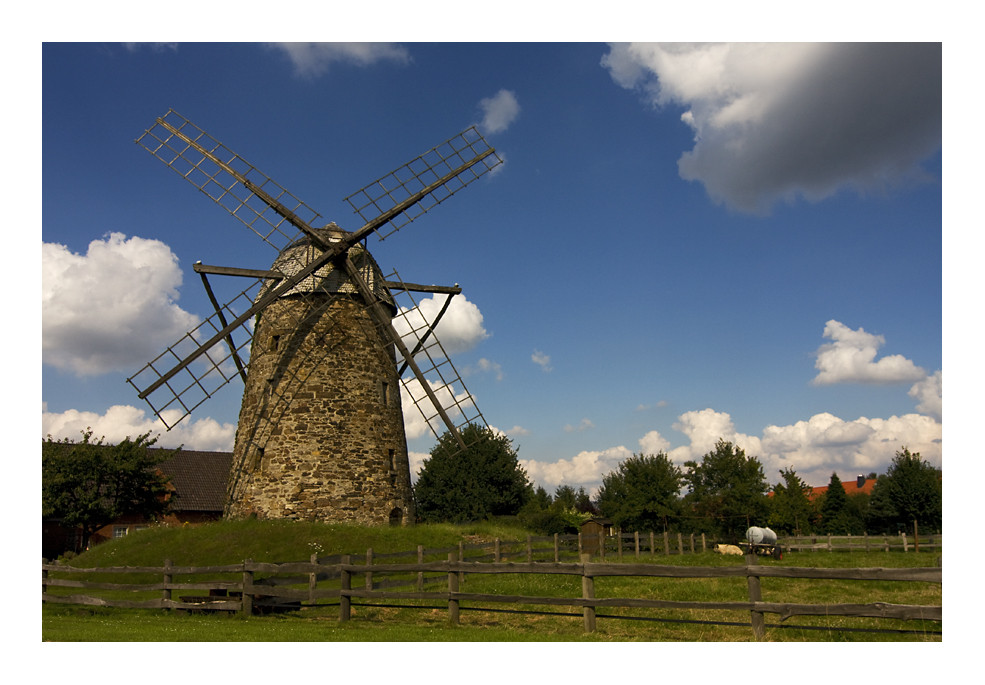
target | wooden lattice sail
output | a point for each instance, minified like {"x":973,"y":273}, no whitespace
{"x":320,"y":433}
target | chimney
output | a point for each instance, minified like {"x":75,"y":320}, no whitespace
{"x":860,"y":482}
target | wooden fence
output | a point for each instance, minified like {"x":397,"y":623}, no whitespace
{"x":253,"y":587}
{"x":862,"y":543}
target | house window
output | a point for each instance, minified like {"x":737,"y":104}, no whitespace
{"x":385,"y":387}
{"x":119,"y":531}
{"x":275,"y":342}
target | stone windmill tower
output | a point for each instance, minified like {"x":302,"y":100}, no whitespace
{"x":320,"y":340}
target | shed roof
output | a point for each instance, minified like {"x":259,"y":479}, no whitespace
{"x":199,"y":479}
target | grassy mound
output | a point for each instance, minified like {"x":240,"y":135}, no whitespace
{"x":230,"y":542}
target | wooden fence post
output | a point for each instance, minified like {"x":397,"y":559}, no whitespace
{"x":247,"y":588}
{"x":619,"y":542}
{"x":312,"y":580}
{"x":916,"y":538}
{"x":369,"y":566}
{"x":755,"y":595}
{"x":557,"y":549}
{"x":587,"y":592}
{"x":452,"y":590}
{"x":704,"y":545}
{"x":680,"y":544}
{"x":666,"y":543}
{"x":581,"y":548}
{"x":885,"y":543}
{"x":166,"y":592}
{"x":692,"y":543}
{"x":530,"y":549}
{"x":345,"y":584}
{"x":496,"y":556}
{"x":461,"y":557}
{"x":903,"y":536}
{"x":636,"y":539}
{"x":420,"y":574}
{"x":652,"y":550}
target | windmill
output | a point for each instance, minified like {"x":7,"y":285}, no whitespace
{"x":321,"y":339}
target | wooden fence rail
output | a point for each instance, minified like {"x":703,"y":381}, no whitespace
{"x":859,"y":543}
{"x":245,"y":592}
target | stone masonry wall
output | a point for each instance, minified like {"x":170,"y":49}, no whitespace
{"x":320,"y":434}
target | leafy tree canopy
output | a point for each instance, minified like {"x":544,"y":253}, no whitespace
{"x":484,"y":480}
{"x":642,"y":493}
{"x":726,"y":491}
{"x":89,"y":484}
{"x":790,"y":507}
{"x":914,"y":490}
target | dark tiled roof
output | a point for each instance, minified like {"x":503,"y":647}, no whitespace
{"x":199,"y":478}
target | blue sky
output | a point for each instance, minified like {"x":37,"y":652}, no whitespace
{"x":684,"y":242}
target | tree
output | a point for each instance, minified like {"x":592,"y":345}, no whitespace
{"x":833,"y":505}
{"x":90,"y":485}
{"x":790,"y":507}
{"x":564,"y":496}
{"x":642,"y":493}
{"x":484,"y":480}
{"x":881,"y":516}
{"x":914,"y":490}
{"x":726,"y":491}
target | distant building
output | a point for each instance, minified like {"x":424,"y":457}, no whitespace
{"x":590,"y":531}
{"x":197,"y":495}
{"x":860,"y":486}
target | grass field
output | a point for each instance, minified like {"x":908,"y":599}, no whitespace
{"x":231,"y":542}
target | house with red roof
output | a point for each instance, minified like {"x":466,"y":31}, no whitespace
{"x":860,"y":486}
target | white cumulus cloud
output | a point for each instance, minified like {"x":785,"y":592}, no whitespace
{"x":814,"y":448}
{"x":653,"y":443}
{"x":460,"y":328}
{"x":122,"y":421}
{"x":826,"y":444}
{"x":111,"y":309}
{"x":313,"y":59}
{"x":779,"y":121}
{"x":542,"y":360}
{"x":583,"y":425}
{"x":704,"y":428}
{"x":584,"y":469}
{"x":851,"y":358}
{"x":415,"y":403}
{"x":499,"y":111}
{"x":928,"y":392}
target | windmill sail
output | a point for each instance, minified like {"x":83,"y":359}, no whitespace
{"x":194,"y":368}
{"x":262,"y":204}
{"x":393,"y":201}
{"x":434,"y":363}
{"x":182,"y":392}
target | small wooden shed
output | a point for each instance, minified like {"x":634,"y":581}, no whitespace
{"x":591,"y":530}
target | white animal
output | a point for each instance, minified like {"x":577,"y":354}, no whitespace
{"x":728,"y":549}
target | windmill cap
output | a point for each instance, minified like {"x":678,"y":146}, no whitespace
{"x":329,"y":279}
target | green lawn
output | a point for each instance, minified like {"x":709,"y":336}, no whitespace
{"x":228,"y":543}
